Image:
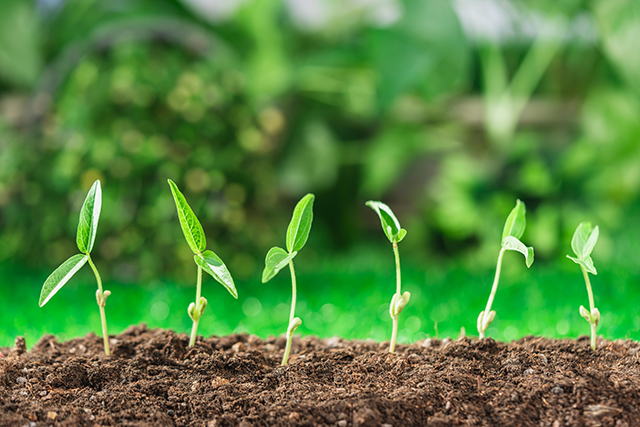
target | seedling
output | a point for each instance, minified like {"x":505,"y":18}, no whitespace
{"x":85,"y":238}
{"x":277,"y":258}
{"x":204,"y":259}
{"x":582,"y":243}
{"x":513,"y":230}
{"x":395,"y":234}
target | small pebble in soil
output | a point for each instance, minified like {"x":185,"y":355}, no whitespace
{"x":333,"y":342}
{"x":171,"y":412}
{"x":21,"y":380}
{"x":557,"y":390}
{"x":447,"y":407}
{"x":43,"y":393}
{"x":342,"y":423}
{"x":427,"y":343}
{"x":528,"y":371}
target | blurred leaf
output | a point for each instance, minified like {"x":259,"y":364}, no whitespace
{"x":213,"y":265}
{"x":620,"y":31}
{"x":20,"y":55}
{"x":89,"y":217}
{"x":61,"y":276}
{"x":425,"y":50}
{"x":300,"y":225}
{"x":584,"y":239}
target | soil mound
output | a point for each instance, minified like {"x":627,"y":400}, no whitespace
{"x":154,"y":379}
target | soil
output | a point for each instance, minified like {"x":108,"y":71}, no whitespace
{"x":153,"y":379}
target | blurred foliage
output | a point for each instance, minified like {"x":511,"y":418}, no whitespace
{"x":251,"y":110}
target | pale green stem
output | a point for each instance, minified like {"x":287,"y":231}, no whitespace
{"x":103,"y":317}
{"x":592,"y":305}
{"x":494,"y":288}
{"x":292,"y":314}
{"x":196,"y":321}
{"x":394,"y":331}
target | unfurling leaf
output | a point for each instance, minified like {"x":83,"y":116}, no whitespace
{"x":584,"y":239}
{"x":398,"y":302}
{"x":300,"y":225}
{"x":587,"y":263}
{"x":276,"y":259}
{"x":213,"y":265}
{"x":89,"y":216}
{"x":295,"y":323}
{"x":515,"y":224}
{"x":513,"y":244}
{"x":60,"y":276}
{"x":191,"y":227}
{"x":390,"y":224}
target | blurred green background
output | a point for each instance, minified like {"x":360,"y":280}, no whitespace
{"x":446,"y":110}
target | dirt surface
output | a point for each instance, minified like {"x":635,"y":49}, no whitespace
{"x":153,"y":379}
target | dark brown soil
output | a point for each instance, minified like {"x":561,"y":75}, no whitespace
{"x":153,"y":379}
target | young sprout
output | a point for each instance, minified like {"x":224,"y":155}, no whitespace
{"x":395,"y":234}
{"x":513,"y":230}
{"x":204,"y":259}
{"x":277,"y":258}
{"x":85,"y":238}
{"x":582,"y":243}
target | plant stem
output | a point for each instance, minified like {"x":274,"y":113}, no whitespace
{"x":292,"y":314}
{"x":394,"y":331}
{"x":103,"y":317}
{"x":494,"y":288}
{"x":592,"y":305}
{"x":196,"y":320}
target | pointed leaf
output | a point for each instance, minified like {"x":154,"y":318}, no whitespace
{"x":584,"y":239}
{"x":60,"y":276}
{"x":512,"y":244}
{"x":587,"y":263}
{"x":277,"y":259}
{"x":89,"y":216}
{"x":390,"y":224}
{"x":212,"y":264}
{"x":191,"y":227}
{"x":515,"y":224}
{"x":300,"y":225}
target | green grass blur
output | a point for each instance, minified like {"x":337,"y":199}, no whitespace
{"x":345,"y":295}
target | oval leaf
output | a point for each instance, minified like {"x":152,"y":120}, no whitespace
{"x":512,"y":244}
{"x":515,"y":224}
{"x":390,"y":224}
{"x":60,"y":276}
{"x":584,"y":239}
{"x":89,"y":216}
{"x":212,"y":264}
{"x":300,"y":225}
{"x":587,"y":263}
{"x":191,"y":227}
{"x":277,"y":259}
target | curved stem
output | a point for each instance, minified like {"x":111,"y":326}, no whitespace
{"x":103,"y":317}
{"x":292,"y":314}
{"x":394,"y":330}
{"x":196,"y":321}
{"x":592,"y":305}
{"x":494,"y":288}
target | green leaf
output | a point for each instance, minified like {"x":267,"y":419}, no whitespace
{"x":584,"y":239}
{"x":191,"y":227}
{"x":512,"y":244}
{"x":277,"y":259}
{"x":212,"y":264}
{"x":390,"y":224}
{"x":300,"y":225}
{"x":515,"y":224}
{"x":89,"y":216}
{"x":587,"y":263}
{"x":60,"y":276}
